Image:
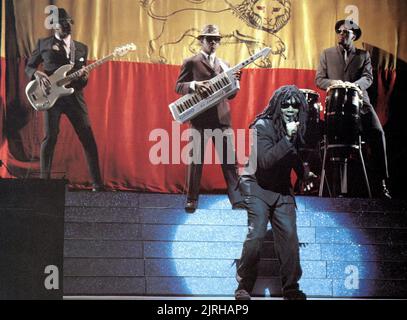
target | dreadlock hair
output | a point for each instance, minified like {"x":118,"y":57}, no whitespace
{"x":273,"y":111}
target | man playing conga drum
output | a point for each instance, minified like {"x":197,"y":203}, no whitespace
{"x":346,"y":63}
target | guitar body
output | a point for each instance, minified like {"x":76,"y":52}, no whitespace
{"x":40,"y":100}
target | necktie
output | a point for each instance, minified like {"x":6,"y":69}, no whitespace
{"x":63,"y":46}
{"x":345,"y":55}
{"x":211,"y":61}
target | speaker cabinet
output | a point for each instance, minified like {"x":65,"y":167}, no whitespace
{"x":31,"y":239}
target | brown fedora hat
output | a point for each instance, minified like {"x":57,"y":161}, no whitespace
{"x":210,"y":30}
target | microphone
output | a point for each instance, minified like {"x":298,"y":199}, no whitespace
{"x":292,"y":126}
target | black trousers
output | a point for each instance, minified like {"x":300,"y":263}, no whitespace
{"x":78,"y":116}
{"x":229,"y":168}
{"x":372,"y":130}
{"x":282,"y":216}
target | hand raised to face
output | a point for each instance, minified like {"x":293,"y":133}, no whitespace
{"x":292,"y":129}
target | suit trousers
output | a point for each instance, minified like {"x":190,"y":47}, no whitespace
{"x":229,"y":168}
{"x":282,"y":216}
{"x":373,"y":132}
{"x":79,"y":119}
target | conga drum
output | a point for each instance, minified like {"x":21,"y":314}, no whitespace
{"x":342,"y":131}
{"x":310,"y":152}
{"x":342,"y":114}
{"x":313,"y":133}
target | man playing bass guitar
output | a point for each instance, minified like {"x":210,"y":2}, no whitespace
{"x":54,"y":52}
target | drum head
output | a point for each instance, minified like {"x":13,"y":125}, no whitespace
{"x":311,"y":96}
{"x":345,"y":85}
{"x":309,"y":91}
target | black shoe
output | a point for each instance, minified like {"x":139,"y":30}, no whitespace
{"x":242,"y":294}
{"x":239,"y":205}
{"x":191,"y":205}
{"x":294,"y":295}
{"x":98,"y":188}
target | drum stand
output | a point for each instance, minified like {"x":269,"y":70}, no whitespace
{"x":344,"y":166}
{"x":312,"y":157}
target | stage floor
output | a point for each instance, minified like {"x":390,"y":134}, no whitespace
{"x":144,"y":246}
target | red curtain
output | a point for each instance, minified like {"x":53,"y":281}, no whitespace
{"x":126,"y":102}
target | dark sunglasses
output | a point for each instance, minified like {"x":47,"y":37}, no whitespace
{"x":296,"y":106}
{"x":210,"y":39}
{"x":344,"y":31}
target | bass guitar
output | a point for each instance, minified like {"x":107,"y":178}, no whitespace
{"x":41,"y":99}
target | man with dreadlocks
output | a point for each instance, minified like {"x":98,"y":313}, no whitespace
{"x":268,"y":193}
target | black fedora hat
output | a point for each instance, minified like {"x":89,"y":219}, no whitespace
{"x":63,"y":15}
{"x":350,"y":25}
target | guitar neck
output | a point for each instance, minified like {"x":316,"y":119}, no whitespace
{"x":88,"y":68}
{"x":241,"y":65}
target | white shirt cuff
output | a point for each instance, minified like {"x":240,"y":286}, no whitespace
{"x":192,"y":85}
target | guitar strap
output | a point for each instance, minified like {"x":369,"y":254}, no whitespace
{"x":72,"y":53}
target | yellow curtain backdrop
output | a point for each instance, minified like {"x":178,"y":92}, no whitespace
{"x":164,"y":30}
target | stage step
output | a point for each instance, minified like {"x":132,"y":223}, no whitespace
{"x":146,"y":245}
